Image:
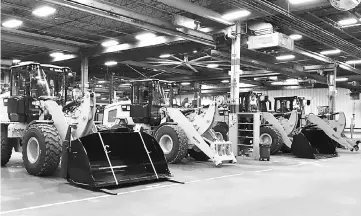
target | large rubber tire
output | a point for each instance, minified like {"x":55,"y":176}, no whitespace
{"x":101,"y":127}
{"x":219,"y":128}
{"x":6,"y":147}
{"x":49,"y":143}
{"x":276,"y":138}
{"x":179,"y":139}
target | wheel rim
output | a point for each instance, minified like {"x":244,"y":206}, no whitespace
{"x":266,"y":139}
{"x":166,"y":143}
{"x":33,"y":150}
{"x":219,"y":136}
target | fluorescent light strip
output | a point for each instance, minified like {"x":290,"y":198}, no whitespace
{"x":110,"y":43}
{"x":285,"y":57}
{"x":346,"y":22}
{"x":44,"y":11}
{"x":299,"y":1}
{"x":12,"y":23}
{"x":353,"y":62}
{"x":236,"y":15}
{"x":330,"y":52}
{"x":295,"y":36}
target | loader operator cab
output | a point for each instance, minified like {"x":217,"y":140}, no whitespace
{"x":32,"y":82}
{"x":148,"y":97}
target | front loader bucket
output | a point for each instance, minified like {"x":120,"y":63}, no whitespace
{"x":115,"y":158}
{"x":313,"y":143}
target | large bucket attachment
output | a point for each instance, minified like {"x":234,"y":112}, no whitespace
{"x":313,"y":143}
{"x":115,"y":158}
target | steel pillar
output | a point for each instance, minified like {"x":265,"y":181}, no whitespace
{"x":331,"y":81}
{"x":84,"y":74}
{"x":234,"y":99}
{"x":197,"y":93}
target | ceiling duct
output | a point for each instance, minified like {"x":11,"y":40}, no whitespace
{"x":282,"y":17}
{"x":260,"y":28}
{"x":345,"y":5}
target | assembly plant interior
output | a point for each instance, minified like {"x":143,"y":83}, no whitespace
{"x":180,"y":107}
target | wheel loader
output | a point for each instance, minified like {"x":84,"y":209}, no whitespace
{"x":48,"y":127}
{"x":179,"y":131}
{"x":313,"y":136}
{"x":276,"y":128}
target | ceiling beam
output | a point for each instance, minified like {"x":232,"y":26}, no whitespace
{"x":291,"y":72}
{"x":116,"y":13}
{"x":37,"y":40}
{"x":197,"y":10}
{"x":159,"y":68}
{"x":325,"y":59}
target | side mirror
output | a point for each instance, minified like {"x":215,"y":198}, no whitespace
{"x":308,"y":102}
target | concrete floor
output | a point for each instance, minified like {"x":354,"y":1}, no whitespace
{"x":284,"y":186}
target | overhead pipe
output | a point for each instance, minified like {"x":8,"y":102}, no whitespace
{"x":288,"y":19}
{"x":115,"y":13}
{"x":197,"y":10}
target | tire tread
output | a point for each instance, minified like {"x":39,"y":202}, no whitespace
{"x":53,"y":147}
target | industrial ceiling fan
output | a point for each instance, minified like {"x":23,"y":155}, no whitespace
{"x":345,"y":5}
{"x":201,"y":62}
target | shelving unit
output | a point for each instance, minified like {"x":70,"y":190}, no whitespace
{"x":248,"y":133}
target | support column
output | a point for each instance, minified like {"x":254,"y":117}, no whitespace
{"x":197,"y":94}
{"x":331,"y":81}
{"x":111,"y":89}
{"x":84,"y":74}
{"x":234,"y":99}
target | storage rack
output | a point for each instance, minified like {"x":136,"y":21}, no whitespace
{"x":248,"y":133}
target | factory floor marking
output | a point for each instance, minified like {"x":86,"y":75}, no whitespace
{"x":146,"y":189}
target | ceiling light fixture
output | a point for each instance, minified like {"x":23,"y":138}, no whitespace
{"x":56,"y":54}
{"x":185,"y":83}
{"x":165,"y":56}
{"x":330,"y":52}
{"x":353,"y":62}
{"x":145,"y":36}
{"x":225,"y":81}
{"x":286,"y":82}
{"x":236,"y":15}
{"x":12,"y":23}
{"x":116,"y":48}
{"x":44,"y":11}
{"x":15,"y":61}
{"x":212,"y":65}
{"x":285,"y":57}
{"x":110,"y":63}
{"x":245,"y":85}
{"x":346,"y":22}
{"x":342,"y":79}
{"x":110,"y":43}
{"x":296,"y":36}
{"x":299,"y":1}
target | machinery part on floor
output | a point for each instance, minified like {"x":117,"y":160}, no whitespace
{"x":100,"y":160}
{"x":327,"y":128}
{"x":218,"y":151}
{"x":271,"y":136}
{"x":41,"y":149}
{"x":173,"y":141}
{"x":221,"y":129}
{"x":313,"y":143}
